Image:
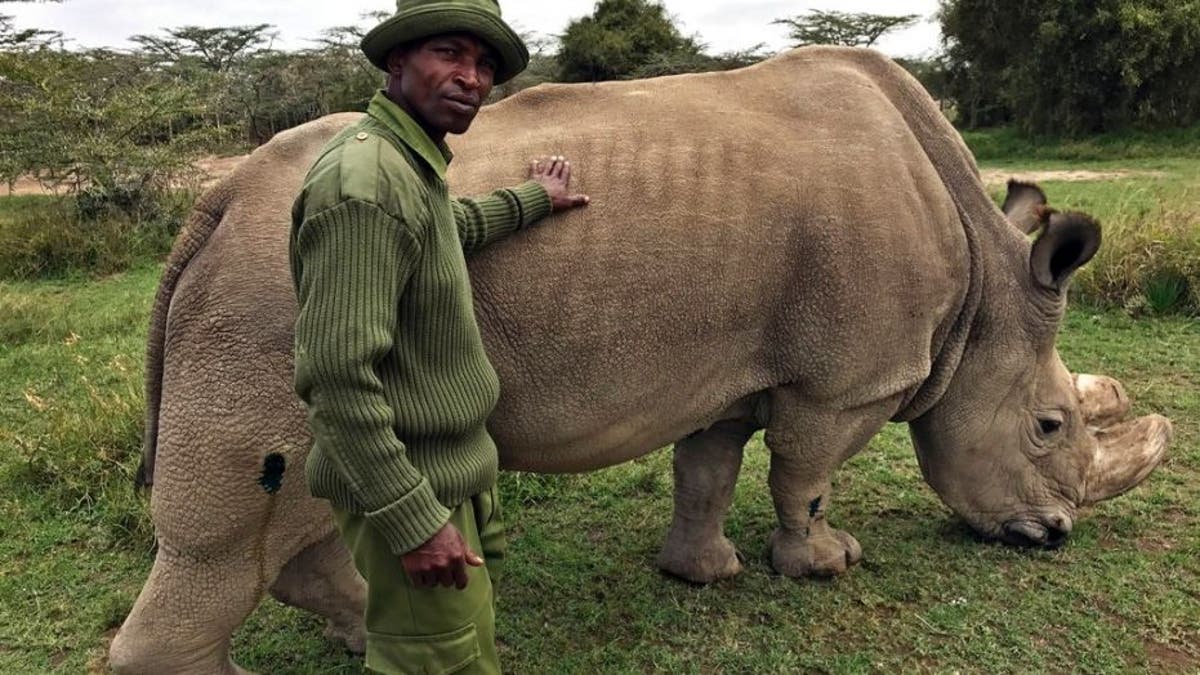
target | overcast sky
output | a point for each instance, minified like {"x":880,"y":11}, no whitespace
{"x":720,"y":24}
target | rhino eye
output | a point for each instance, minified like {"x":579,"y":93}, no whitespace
{"x":1049,"y":426}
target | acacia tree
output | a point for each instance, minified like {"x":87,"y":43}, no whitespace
{"x":1073,"y":68}
{"x":216,"y":49}
{"x":96,"y":122}
{"x":849,"y":29}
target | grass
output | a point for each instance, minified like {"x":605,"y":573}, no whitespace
{"x":1005,"y":144}
{"x":1150,"y":215}
{"x":45,"y":237}
{"x":581,"y":594}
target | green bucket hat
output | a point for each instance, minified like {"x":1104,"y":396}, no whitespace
{"x":416,"y":19}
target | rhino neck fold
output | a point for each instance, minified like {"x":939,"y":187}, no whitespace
{"x":948,"y":354}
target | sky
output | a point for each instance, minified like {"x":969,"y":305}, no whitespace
{"x":722,"y":25}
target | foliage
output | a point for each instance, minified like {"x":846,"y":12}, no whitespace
{"x":13,"y":38}
{"x":1072,"y":67}
{"x":542,"y":68}
{"x":931,"y":73}
{"x":120,"y":132}
{"x":687,"y":62}
{"x":1007,"y":144}
{"x":619,"y":38}
{"x":218,"y":49}
{"x":849,"y":29}
{"x":98,"y":124}
{"x":48,"y":237}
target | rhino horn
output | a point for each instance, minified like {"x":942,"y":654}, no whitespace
{"x":1102,"y":400}
{"x":1125,"y":454}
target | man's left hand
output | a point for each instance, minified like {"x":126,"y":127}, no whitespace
{"x":554,"y":174}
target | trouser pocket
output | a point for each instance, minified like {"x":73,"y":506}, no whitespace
{"x":438,"y":654}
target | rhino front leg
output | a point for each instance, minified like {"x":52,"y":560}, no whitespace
{"x":807,"y":444}
{"x":706,"y":470}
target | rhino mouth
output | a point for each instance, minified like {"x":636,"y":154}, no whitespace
{"x":1036,"y":534}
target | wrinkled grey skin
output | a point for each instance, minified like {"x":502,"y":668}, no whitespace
{"x":802,"y":246}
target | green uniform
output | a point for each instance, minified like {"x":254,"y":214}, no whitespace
{"x":389,"y":358}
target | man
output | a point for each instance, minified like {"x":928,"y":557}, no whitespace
{"x":389,"y":358}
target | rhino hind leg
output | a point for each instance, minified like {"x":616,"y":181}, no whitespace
{"x":322,"y":579}
{"x":184,"y":618}
{"x":706,"y":470}
{"x":808,"y":442}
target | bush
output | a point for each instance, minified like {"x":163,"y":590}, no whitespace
{"x":1073,"y":67}
{"x":1006,"y":143}
{"x":49,"y":237}
{"x":1149,"y":263}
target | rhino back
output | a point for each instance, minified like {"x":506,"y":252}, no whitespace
{"x":777,"y":224}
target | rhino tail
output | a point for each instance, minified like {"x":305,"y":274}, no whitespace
{"x":201,"y":223}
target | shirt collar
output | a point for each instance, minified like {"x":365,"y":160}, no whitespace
{"x":436,"y":155}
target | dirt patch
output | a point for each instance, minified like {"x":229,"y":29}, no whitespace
{"x":211,"y":168}
{"x":1164,"y":659}
{"x":216,"y":168}
{"x":1001,"y":176}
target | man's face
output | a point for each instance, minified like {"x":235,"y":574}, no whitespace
{"x":443,"y":81}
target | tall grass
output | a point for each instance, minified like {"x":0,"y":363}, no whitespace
{"x":49,"y":237}
{"x":1150,"y":216}
{"x":1149,"y":262}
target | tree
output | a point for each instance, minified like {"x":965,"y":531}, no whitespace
{"x":26,"y":38}
{"x":620,"y":37}
{"x":1072,"y":67}
{"x":216,"y":49}
{"x":97,"y":122}
{"x":849,"y":29}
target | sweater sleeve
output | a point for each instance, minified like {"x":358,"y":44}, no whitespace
{"x":483,"y":220}
{"x":353,"y":262}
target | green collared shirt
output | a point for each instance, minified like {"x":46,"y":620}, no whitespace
{"x":389,"y":359}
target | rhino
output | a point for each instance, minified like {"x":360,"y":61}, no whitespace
{"x":802,"y":246}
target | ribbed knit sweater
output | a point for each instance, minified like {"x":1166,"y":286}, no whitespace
{"x":389,"y":359}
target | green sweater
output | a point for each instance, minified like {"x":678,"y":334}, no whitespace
{"x":389,"y":358}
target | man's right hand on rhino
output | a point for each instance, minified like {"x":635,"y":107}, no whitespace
{"x":554,"y":174}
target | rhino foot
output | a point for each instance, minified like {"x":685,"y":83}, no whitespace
{"x":823,"y":552}
{"x":700,"y":562}
{"x":353,"y":638}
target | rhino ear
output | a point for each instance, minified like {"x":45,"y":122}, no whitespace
{"x":1022,"y":206}
{"x":1067,"y":242}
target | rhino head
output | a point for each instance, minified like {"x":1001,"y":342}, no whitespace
{"x":1016,"y":445}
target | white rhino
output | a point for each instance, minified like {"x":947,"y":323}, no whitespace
{"x":802,"y":246}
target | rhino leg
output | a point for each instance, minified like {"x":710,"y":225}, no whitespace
{"x":166,"y":632}
{"x":808,"y":442}
{"x":706,"y":469}
{"x":322,"y":579}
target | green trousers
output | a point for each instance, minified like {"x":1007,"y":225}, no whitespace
{"x":430,"y":630}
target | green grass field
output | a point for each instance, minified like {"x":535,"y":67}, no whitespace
{"x":581,"y":593}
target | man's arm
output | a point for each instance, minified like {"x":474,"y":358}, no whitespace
{"x":484,"y":220}
{"x":353,"y":261}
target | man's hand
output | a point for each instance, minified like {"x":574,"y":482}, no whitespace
{"x":554,"y":173}
{"x":441,"y":561}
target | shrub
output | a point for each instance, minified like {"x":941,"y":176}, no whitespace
{"x":94,"y":235}
{"x":1150,"y":262}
